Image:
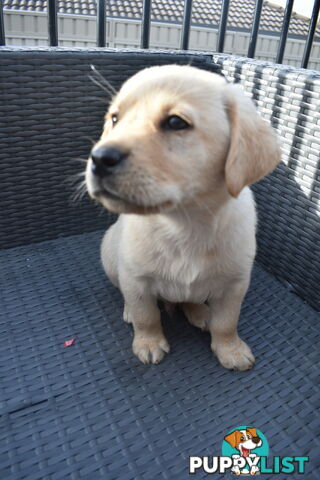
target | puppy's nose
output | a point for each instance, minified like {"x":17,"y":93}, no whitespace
{"x":104,"y":159}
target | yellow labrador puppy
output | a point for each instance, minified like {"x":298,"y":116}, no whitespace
{"x":179,"y":148}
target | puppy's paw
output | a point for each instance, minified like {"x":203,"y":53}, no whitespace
{"x":150,"y":349}
{"x":233,"y":355}
{"x":254,"y":470}
{"x":236,"y":470}
{"x":197,"y":314}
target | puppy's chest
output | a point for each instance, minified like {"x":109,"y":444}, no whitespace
{"x":181,"y":278}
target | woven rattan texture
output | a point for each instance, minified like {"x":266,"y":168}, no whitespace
{"x":288,"y":199}
{"x":50,"y":113}
{"x":92,"y":411}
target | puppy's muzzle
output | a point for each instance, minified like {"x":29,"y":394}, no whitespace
{"x":256,"y":440}
{"x":105,"y":160}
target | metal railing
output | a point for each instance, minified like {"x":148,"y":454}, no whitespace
{"x":185,"y":35}
{"x":101,"y":23}
{"x":145,"y":27}
{"x":2,"y":34}
{"x":312,"y":29}
{"x":52,"y":23}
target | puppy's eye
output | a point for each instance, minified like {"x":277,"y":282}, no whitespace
{"x":242,"y":439}
{"x":114,"y":119}
{"x":249,"y":436}
{"x":175,"y":123}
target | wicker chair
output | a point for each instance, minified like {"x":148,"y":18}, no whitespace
{"x":93,"y":411}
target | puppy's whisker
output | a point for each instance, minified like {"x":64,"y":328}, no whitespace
{"x":90,"y":139}
{"x":80,"y":174}
{"x":79,"y":159}
{"x":79,"y":193}
{"x":99,"y":84}
{"x":74,"y":178}
{"x":103,"y":81}
{"x":99,"y":99}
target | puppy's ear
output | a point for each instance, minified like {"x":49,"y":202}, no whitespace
{"x":232,"y":438}
{"x":253,"y":150}
{"x":253,"y":432}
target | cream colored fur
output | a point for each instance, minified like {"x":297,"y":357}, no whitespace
{"x":186,"y":230}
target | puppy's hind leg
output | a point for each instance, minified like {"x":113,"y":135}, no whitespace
{"x":198,"y":314}
{"x":110,"y":262}
{"x":109,"y":253}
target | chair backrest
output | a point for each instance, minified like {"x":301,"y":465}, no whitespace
{"x":50,"y":112}
{"x":289,"y":198}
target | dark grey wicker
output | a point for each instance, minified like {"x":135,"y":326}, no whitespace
{"x":92,"y":411}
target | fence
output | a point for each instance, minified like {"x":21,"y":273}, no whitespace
{"x":38,"y":27}
{"x":24,"y":28}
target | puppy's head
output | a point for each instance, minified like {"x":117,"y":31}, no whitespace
{"x":244,"y":440}
{"x":175,"y":135}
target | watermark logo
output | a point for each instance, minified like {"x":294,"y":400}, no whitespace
{"x":245,"y":451}
{"x":245,"y":446}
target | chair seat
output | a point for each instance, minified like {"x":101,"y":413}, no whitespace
{"x":92,"y":410}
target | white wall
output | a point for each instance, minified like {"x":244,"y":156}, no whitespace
{"x":30,"y":28}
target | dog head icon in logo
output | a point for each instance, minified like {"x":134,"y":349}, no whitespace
{"x":244,"y":440}
{"x":248,"y":444}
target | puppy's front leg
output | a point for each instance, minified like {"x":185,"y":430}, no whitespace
{"x":149,"y":343}
{"x":232,"y":352}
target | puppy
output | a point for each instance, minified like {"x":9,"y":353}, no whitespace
{"x":245,"y":441}
{"x":178,"y":150}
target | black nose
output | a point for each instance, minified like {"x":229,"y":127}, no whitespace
{"x":256,"y":440}
{"x":104,"y":159}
